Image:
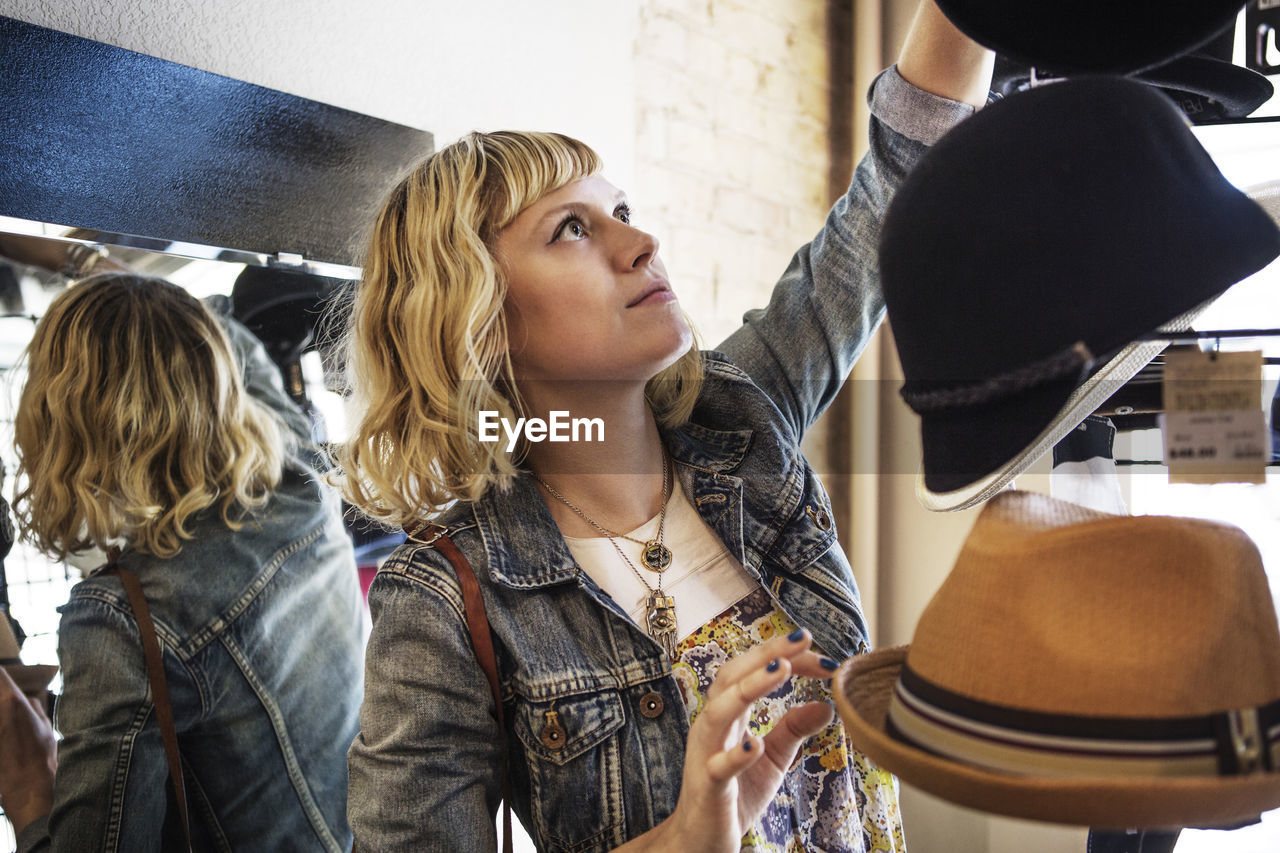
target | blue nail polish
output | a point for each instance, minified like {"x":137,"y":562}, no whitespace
{"x":828,"y":664}
{"x":773,"y":665}
{"x":746,"y":746}
{"x":796,"y":636}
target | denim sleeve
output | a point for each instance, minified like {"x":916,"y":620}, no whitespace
{"x":823,"y":310}
{"x":424,"y":769}
{"x":108,"y":792}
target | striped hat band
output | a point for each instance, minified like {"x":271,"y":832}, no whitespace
{"x":1011,"y":740}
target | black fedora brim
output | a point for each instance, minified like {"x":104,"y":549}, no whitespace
{"x":1205,"y":88}
{"x":1236,"y":91}
{"x":967,"y":453}
{"x":1267,"y":196}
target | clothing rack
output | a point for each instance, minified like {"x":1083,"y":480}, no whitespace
{"x":1128,"y":463}
{"x":1191,"y":336}
{"x":1135,"y":404}
{"x":1245,"y":120}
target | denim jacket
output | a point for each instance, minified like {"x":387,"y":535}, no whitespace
{"x":261,"y":635}
{"x":426,"y":766}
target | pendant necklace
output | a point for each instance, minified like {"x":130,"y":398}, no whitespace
{"x":654,"y":554}
{"x":660,"y":608}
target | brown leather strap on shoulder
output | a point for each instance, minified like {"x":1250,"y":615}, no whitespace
{"x":481,"y":638}
{"x":477,"y":619}
{"x":159,"y":687}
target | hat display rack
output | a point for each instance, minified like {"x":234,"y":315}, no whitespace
{"x":1137,"y":404}
{"x":1205,"y":84}
{"x":1076,"y":666}
{"x":1030,"y":255}
{"x":1030,"y":252}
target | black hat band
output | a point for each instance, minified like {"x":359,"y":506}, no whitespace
{"x":1068,"y":362}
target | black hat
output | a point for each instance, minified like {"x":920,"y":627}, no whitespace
{"x":282,"y":307}
{"x":1207,"y":89}
{"x":1029,"y":251}
{"x":1091,"y":35}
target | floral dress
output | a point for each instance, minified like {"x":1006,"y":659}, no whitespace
{"x":832,"y":797}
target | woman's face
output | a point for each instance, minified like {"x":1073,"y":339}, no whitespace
{"x":587,"y":296}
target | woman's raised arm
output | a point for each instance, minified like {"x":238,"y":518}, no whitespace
{"x":824,"y":308}
{"x":943,"y":61}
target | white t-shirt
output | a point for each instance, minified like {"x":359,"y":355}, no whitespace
{"x":704,"y":578}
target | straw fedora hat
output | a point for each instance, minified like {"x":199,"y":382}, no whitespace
{"x":1084,"y":668}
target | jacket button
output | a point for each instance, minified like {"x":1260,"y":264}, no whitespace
{"x":651,"y":705}
{"x":552,"y":734}
{"x":820,"y":517}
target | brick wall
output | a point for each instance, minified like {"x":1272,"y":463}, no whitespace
{"x":733,"y":165}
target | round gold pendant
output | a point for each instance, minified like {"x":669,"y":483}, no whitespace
{"x":656,"y":556}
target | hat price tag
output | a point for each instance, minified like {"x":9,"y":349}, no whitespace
{"x":1213,"y":427}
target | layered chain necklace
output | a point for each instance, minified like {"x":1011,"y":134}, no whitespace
{"x":660,"y":608}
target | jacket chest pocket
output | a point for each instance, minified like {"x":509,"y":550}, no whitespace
{"x":808,"y":532}
{"x":572,"y":754}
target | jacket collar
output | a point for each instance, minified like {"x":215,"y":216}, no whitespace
{"x":531,"y":552}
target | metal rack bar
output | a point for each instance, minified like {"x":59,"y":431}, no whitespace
{"x":1191,"y":336}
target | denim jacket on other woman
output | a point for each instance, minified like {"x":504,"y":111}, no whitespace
{"x":261,"y":635}
{"x":426,"y":766}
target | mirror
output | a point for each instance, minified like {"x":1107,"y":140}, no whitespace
{"x":35,"y":586}
{"x":181,"y":174}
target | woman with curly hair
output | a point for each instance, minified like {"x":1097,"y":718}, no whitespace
{"x":665,"y":600}
{"x":155,"y":431}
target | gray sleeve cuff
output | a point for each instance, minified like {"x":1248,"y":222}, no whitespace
{"x":911,"y":111}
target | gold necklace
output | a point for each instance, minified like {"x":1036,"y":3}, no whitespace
{"x":654,"y":554}
{"x":660,"y":608}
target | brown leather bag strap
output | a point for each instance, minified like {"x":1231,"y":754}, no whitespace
{"x":159,"y":686}
{"x":481,"y":639}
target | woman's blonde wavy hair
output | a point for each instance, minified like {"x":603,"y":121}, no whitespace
{"x":427,"y":343}
{"x":133,"y":417}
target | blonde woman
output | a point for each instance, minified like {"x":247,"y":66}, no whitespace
{"x":667,"y":598}
{"x":150,"y":426}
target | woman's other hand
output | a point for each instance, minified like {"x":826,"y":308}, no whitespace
{"x":730,"y":776}
{"x":28,"y":756}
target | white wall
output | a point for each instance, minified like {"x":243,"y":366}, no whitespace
{"x":447,"y":67}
